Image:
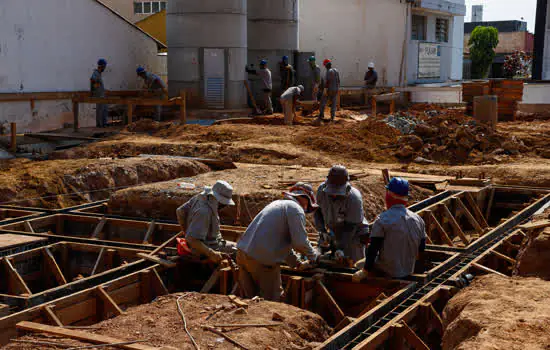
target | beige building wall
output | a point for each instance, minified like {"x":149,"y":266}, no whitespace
{"x":126,"y":9}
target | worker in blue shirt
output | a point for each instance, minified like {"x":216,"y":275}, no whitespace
{"x":97,"y":89}
{"x":155,"y":85}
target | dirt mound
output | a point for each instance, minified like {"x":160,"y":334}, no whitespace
{"x":50,"y":184}
{"x":160,"y":323}
{"x":255,"y":186}
{"x":534,"y":257}
{"x":499,"y":313}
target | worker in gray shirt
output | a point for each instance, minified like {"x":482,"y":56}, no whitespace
{"x":200,"y":221}
{"x":97,"y":89}
{"x":288,"y":100}
{"x":340,"y":219}
{"x":272,"y":239}
{"x":398,"y":236}
{"x":332,"y":86}
{"x":314,"y":79}
{"x":155,"y":85}
{"x":267,"y":84}
{"x":371,"y":77}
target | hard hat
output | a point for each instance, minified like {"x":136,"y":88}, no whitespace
{"x":371,"y":65}
{"x":102,"y":62}
{"x":327,"y":61}
{"x":399,"y":186}
{"x":311,"y":59}
{"x":263,"y":62}
{"x":285,"y":58}
{"x":301,"y":88}
{"x":140,"y":70}
{"x":337,"y":181}
{"x":302,"y":189}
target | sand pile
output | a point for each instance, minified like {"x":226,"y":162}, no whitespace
{"x":533,"y":259}
{"x":160,"y":323}
{"x":499,"y":313}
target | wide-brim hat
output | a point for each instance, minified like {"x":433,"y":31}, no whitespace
{"x":223,"y":192}
{"x":302,"y":189}
{"x":336,"y":190}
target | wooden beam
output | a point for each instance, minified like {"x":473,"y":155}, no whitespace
{"x":332,"y":305}
{"x":224,"y":280}
{"x":503,"y":257}
{"x":99,"y":228}
{"x":490,"y":204}
{"x":454,"y":224}
{"x":484,"y":268}
{"x":160,"y":287}
{"x":373,"y":106}
{"x":157,"y":260}
{"x":54,"y":268}
{"x":79,"y":335}
{"x":145,"y":290}
{"x":48,"y":312}
{"x":149,"y":233}
{"x":469,"y":216}
{"x":96,"y":265}
{"x":535,"y":225}
{"x":444,"y":236}
{"x":476,"y":210}
{"x":431,"y":316}
{"x":211,"y":282}
{"x":108,"y":301}
{"x":16,"y":280}
{"x":373,"y":304}
{"x":412,"y":338}
{"x":29,"y":227}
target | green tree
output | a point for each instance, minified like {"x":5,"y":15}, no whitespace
{"x":483,"y":42}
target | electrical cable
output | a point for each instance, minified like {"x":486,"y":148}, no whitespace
{"x":185,"y":322}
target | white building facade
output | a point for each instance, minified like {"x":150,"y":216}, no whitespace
{"x":53,"y":46}
{"x":411,"y":42}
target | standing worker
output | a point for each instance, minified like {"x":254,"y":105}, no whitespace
{"x":200,"y":221}
{"x":398,"y":236}
{"x":155,"y":85}
{"x":371,"y":77}
{"x":271,"y":239}
{"x":332,"y":85}
{"x":287,"y":74}
{"x":267,"y":84}
{"x":288,"y":100}
{"x":97,"y":89}
{"x":314,"y":79}
{"x":340,"y":219}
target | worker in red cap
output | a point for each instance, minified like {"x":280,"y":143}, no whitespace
{"x":332,"y":86}
{"x":398,"y":236}
{"x":272,"y":239}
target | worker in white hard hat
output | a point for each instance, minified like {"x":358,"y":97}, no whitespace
{"x":371,"y":77}
{"x":200,"y":221}
{"x":288,"y":101}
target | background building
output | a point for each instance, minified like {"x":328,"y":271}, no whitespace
{"x":136,"y":10}
{"x":541,"y":64}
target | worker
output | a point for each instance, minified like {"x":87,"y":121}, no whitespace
{"x":398,"y":236}
{"x":288,"y":100}
{"x":155,"y":85}
{"x":314,"y":79}
{"x":332,"y":86}
{"x":200,"y":221}
{"x":287,"y":74}
{"x":340,"y":219}
{"x":371,"y":77}
{"x":272,"y":239}
{"x":267,"y":84}
{"x":97,"y":89}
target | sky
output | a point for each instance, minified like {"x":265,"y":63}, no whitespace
{"x":502,"y":10}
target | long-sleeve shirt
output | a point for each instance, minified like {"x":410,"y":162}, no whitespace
{"x":398,"y":235}
{"x":290,"y":93}
{"x":265,"y":76}
{"x":199,"y":217}
{"x":332,"y":80}
{"x":371,"y":78}
{"x":96,"y":84}
{"x":274,"y":234}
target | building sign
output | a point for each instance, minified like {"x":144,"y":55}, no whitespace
{"x":429,"y":61}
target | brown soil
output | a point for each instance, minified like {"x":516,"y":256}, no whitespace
{"x":22,"y":182}
{"x":161,"y":324}
{"x":534,"y":256}
{"x":499,"y":313}
{"x":255,"y":186}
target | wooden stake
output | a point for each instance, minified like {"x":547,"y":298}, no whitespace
{"x":13,"y":144}
{"x":490,"y":204}
{"x":412,"y":338}
{"x":50,"y":314}
{"x":99,"y":256}
{"x":373,"y":104}
{"x":224,"y":280}
{"x":454,"y":224}
{"x":28,"y":226}
{"x":476,"y":210}
{"x":108,"y":301}
{"x":99,"y":228}
{"x":211,"y":281}
{"x":334,"y":308}
{"x":486,"y":269}
{"x":157,"y":260}
{"x":431,"y":316}
{"x":251,"y":97}
{"x":16,"y":281}
{"x":503,"y":257}
{"x":54,"y":268}
{"x":442,"y":232}
{"x":160,"y":288}
{"x":469,"y":216}
{"x":149,"y":233}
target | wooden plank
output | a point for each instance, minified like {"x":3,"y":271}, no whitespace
{"x":108,"y":301}
{"x":50,"y":314}
{"x":96,"y":265}
{"x":471,"y":219}
{"x":29,"y":227}
{"x":330,"y":302}
{"x":431,"y":316}
{"x":149,"y":233}
{"x":99,"y":228}
{"x":476,"y":210}
{"x":16,"y":280}
{"x":441,"y":230}
{"x":411,"y":337}
{"x":157,"y":260}
{"x":490,"y":204}
{"x":54,"y":268}
{"x":224,"y":280}
{"x":454,"y":224}
{"x":145,"y":294}
{"x":486,"y":269}
{"x":79,"y":335}
{"x":211,"y":282}
{"x":160,"y":287}
{"x":535,"y":225}
{"x":503,"y":257}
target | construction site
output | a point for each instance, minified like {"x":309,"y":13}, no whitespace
{"x":90,"y":249}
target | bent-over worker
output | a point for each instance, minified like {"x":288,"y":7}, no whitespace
{"x":97,"y":89}
{"x":332,"y":86}
{"x":155,"y":85}
{"x":288,"y":101}
{"x":200,"y":221}
{"x":398,"y":236}
{"x":267,"y":84}
{"x":271,"y":239}
{"x":371,"y":77}
{"x":340,"y":219}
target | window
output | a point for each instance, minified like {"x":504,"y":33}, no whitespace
{"x":138,"y":7}
{"x":418,"y":31}
{"x":156,"y":6}
{"x":442,"y":30}
{"x":147,"y":7}
{"x":163,"y":5}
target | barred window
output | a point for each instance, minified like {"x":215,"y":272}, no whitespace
{"x":442,"y":30}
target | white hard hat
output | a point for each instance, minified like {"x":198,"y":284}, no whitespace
{"x":371,"y":65}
